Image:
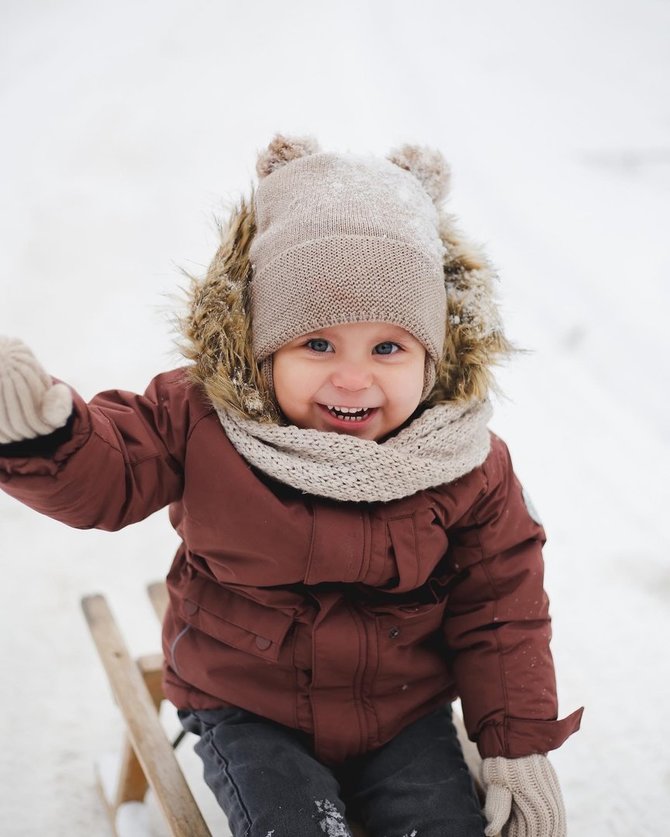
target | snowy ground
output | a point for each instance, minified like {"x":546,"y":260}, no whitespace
{"x":126,"y":125}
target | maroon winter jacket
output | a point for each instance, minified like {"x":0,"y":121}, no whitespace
{"x":345,"y":620}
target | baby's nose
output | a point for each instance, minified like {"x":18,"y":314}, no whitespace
{"x":352,"y":377}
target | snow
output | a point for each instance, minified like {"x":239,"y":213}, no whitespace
{"x":331,"y":822}
{"x":127,"y":126}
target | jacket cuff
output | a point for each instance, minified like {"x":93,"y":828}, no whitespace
{"x":45,"y":455}
{"x":518,"y":737}
{"x":44,"y":446}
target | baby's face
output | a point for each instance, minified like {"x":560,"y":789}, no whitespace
{"x":374,"y":369}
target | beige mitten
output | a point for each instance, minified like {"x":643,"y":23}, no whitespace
{"x":30,"y":403}
{"x":523,"y":797}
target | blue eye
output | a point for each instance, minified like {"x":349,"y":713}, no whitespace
{"x":318,"y":345}
{"x":387,"y":348}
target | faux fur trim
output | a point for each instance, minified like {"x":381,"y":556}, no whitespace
{"x":216,"y":329}
{"x":217,"y":326}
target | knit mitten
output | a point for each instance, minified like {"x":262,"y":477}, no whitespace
{"x":523,"y":798}
{"x":30,"y":403}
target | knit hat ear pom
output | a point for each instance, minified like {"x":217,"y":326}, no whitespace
{"x":427,"y":165}
{"x":282,"y":150}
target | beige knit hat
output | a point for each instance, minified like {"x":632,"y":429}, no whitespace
{"x":343,"y":238}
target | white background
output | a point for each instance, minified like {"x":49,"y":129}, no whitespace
{"x":125,"y":127}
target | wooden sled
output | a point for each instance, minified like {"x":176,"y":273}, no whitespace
{"x":148,"y":759}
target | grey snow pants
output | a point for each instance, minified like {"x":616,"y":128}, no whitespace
{"x":269,"y":784}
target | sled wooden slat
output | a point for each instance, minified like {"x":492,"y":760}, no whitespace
{"x":146,"y":735}
{"x":132,"y":784}
{"x":158,"y":596}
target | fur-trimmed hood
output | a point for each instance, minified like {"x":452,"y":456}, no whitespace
{"x":217,"y":326}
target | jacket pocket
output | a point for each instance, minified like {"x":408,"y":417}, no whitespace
{"x":409,"y":624}
{"x":233,"y":619}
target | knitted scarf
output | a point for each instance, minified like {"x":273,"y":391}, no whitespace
{"x":439,"y":446}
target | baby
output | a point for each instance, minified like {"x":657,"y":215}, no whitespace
{"x":356,"y":551}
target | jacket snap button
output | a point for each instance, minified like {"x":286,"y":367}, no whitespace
{"x":190,"y":608}
{"x":394,"y":633}
{"x":262,"y":643}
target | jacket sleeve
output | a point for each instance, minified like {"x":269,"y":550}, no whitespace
{"x":497,"y":623}
{"x":118,"y":459}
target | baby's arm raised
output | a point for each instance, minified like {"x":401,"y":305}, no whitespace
{"x":104,"y":464}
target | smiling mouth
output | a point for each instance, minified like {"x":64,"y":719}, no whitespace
{"x":349,"y":415}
